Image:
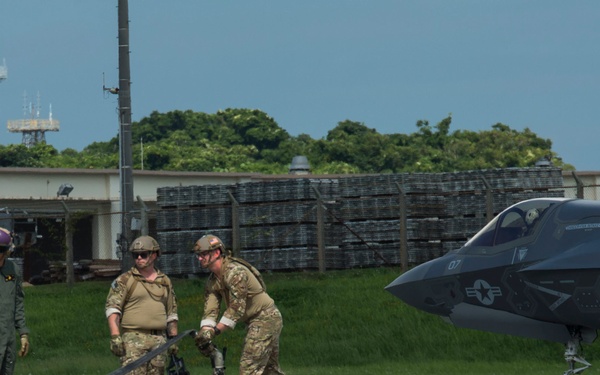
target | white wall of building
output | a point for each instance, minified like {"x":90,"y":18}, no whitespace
{"x":96,"y":191}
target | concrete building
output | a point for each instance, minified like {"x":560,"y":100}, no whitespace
{"x":34,"y":192}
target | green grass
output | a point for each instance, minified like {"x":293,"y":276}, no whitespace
{"x":341,"y":322}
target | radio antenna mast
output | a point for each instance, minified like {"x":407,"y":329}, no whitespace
{"x":3,"y":71}
{"x":31,"y":125}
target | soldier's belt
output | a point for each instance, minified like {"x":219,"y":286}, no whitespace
{"x":262,"y":312}
{"x":155,"y":332}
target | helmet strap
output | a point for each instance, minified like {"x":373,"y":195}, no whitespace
{"x":213,"y":260}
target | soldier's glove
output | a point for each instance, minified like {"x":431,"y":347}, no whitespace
{"x":204,"y":343}
{"x":24,"y":345}
{"x":173,"y":350}
{"x":207,"y":349}
{"x":205,"y":335}
{"x":116,"y":345}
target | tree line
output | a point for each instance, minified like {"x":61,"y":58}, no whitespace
{"x":249,"y":140}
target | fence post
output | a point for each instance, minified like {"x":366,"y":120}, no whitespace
{"x":403,"y":226}
{"x":235,"y":225}
{"x":320,"y":230}
{"x":69,"y":244}
{"x":143,"y":216}
{"x":579,"y":185}
{"x":489,"y":200}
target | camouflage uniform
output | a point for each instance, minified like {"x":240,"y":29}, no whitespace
{"x":145,"y":308}
{"x":247,"y":301}
{"x":12,"y":315}
{"x":136,"y":345}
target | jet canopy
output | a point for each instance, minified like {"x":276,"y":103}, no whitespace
{"x":516,"y":222}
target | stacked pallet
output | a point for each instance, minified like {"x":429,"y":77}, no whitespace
{"x":278,"y":219}
{"x":277,"y":222}
{"x":443,"y":209}
{"x":83,"y":270}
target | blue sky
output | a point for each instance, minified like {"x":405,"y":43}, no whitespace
{"x":311,"y":64}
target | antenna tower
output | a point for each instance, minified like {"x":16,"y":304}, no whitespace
{"x":33,"y":128}
{"x":3,"y":71}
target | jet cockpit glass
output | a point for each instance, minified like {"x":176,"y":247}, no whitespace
{"x":577,"y":221}
{"x":518,"y":221}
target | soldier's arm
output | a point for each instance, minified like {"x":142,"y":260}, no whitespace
{"x":172,"y":328}
{"x":212,"y":306}
{"x":114,"y":321}
{"x":172,"y":308}
{"x":237,"y":284}
{"x":114,"y":305}
{"x":20,"y":308}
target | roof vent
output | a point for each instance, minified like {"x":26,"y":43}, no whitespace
{"x":543,"y":162}
{"x":299,"y":165}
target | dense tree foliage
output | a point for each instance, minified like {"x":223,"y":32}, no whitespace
{"x":246,"y":140}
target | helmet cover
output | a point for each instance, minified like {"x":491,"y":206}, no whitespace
{"x":144,"y":243}
{"x":208,"y":242}
{"x":5,"y":238}
{"x":531,"y":216}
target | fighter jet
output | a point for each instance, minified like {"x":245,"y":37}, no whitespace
{"x":532,"y":271}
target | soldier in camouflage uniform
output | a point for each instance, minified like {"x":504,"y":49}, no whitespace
{"x":141,"y":309}
{"x":241,"y":287}
{"x":12,"y":312}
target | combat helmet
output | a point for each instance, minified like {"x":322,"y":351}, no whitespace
{"x":209,"y":242}
{"x":144,"y":243}
{"x":5,"y":240}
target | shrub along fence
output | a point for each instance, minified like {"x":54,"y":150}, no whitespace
{"x":366,"y":221}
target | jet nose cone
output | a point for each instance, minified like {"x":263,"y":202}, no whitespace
{"x":426,"y":288}
{"x":405,"y":286}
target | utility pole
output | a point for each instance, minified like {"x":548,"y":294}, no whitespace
{"x":125,"y":157}
{"x":69,"y":243}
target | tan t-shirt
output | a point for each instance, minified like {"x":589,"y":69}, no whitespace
{"x":150,"y":304}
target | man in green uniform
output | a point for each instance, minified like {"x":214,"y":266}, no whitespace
{"x":12,"y":312}
{"x":240,"y":286}
{"x":141,"y":309}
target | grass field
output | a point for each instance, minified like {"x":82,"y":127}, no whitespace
{"x":341,"y":322}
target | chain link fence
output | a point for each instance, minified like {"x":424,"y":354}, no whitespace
{"x":366,"y":221}
{"x":307,"y":223}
